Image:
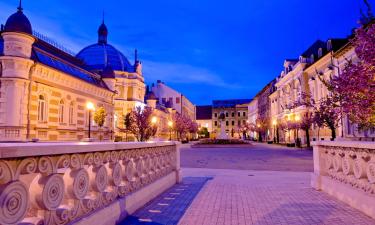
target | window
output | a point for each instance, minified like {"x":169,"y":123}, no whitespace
{"x":244,"y":122}
{"x":227,"y":123}
{"x":244,"y":113}
{"x":215,"y":116}
{"x":178,"y":100}
{"x":61,"y":111}
{"x":215,"y":123}
{"x":239,"y":123}
{"x":71,"y":113}
{"x":320,"y":52}
{"x":232,"y":114}
{"x":239,"y":114}
{"x":226,"y":114}
{"x":171,"y":100}
{"x":42,"y":108}
{"x":164,"y":100}
{"x":232,"y":122}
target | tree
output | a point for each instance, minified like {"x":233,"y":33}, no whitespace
{"x":355,"y":86}
{"x":262,"y":124}
{"x":326,"y":114}
{"x":181,"y":124}
{"x":193,"y":127}
{"x":138,"y":123}
{"x":99,"y":117}
{"x":305,"y":124}
{"x":203,"y":132}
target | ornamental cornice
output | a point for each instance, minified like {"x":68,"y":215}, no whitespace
{"x":59,"y":79}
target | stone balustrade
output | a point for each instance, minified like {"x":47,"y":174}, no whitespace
{"x":60,"y":183}
{"x":346,"y":170}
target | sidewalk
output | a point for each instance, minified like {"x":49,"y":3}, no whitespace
{"x":236,"y":197}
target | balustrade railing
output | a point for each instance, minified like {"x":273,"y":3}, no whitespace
{"x":61,"y":183}
{"x":349,"y":163}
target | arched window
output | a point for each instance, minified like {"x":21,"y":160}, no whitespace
{"x":71,"y":113}
{"x":61,"y":111}
{"x":42,"y":109}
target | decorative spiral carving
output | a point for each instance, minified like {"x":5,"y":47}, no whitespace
{"x":347,"y":163}
{"x":371,"y":172}
{"x":129,"y":170}
{"x":81,"y":183}
{"x":75,"y":161}
{"x":116,"y":174}
{"x":14,"y":201}
{"x":328,"y":162}
{"x":6,"y":173}
{"x":101,"y":179}
{"x":45,"y":165}
{"x":359,"y":168}
{"x":53,"y":192}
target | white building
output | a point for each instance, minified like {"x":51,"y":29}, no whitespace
{"x":170,"y":97}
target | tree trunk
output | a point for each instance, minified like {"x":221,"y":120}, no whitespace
{"x":333,"y":133}
{"x":307,"y":138}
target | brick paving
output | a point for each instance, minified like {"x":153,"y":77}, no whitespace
{"x":260,"y":185}
{"x":168,"y":207}
{"x":236,"y":197}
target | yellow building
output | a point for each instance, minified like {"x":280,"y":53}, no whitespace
{"x":44,"y":89}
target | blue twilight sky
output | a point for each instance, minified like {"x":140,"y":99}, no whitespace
{"x":206,"y":49}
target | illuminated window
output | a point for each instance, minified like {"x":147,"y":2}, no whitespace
{"x":61,"y":111}
{"x":71,"y":113}
{"x":42,"y":109}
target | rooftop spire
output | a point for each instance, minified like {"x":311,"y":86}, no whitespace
{"x":102,"y":32}
{"x":20,"y":6}
{"x":136,"y":55}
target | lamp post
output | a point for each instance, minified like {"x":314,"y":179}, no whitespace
{"x":170,"y":125}
{"x":90,"y":107}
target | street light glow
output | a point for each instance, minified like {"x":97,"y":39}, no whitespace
{"x":298,"y":118}
{"x":154,"y":120}
{"x":90,"y":106}
{"x":170,"y":123}
{"x":274,"y":122}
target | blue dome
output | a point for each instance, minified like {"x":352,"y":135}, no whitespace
{"x":18,"y":22}
{"x":99,"y":56}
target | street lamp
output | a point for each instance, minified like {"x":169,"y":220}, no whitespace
{"x":154,"y":120}
{"x":90,"y":107}
{"x":170,"y":125}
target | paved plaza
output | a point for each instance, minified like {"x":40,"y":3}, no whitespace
{"x":260,"y":185}
{"x":257,"y":157}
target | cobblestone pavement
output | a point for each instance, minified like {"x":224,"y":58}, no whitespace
{"x":168,"y":207}
{"x":257,"y":157}
{"x":240,"y":197}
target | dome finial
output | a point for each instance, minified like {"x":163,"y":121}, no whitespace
{"x":20,"y":6}
{"x":102,"y":32}
{"x":136,"y":55}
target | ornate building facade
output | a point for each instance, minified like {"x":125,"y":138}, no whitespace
{"x":235,"y":113}
{"x":44,"y":90}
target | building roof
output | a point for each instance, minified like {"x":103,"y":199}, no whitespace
{"x":97,"y":57}
{"x":18,"y":22}
{"x":314,"y":48}
{"x":55,"y":58}
{"x":204,"y":112}
{"x":230,"y":103}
